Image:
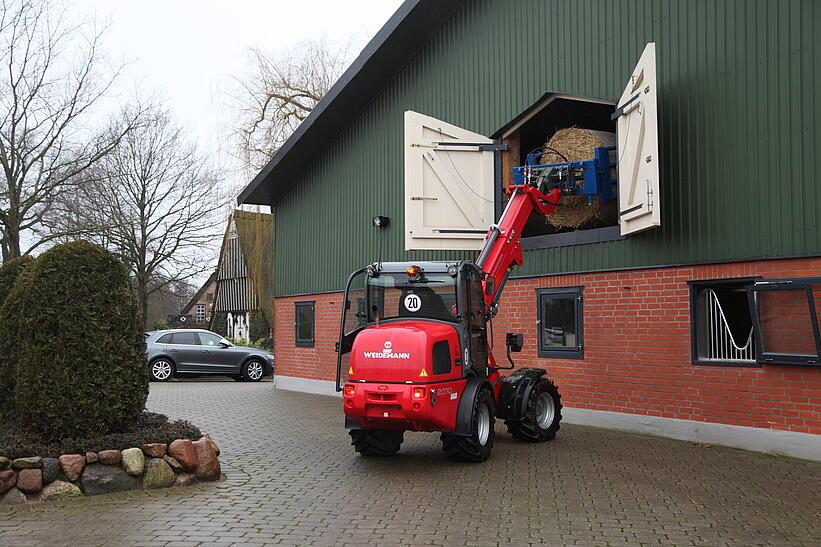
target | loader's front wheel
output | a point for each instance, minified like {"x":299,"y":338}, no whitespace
{"x":376,"y":442}
{"x":477,"y":446}
{"x":543,"y":414}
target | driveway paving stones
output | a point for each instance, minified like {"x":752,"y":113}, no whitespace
{"x":293,"y":479}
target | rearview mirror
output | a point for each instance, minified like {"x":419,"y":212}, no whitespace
{"x":225,"y":343}
{"x":514,"y":342}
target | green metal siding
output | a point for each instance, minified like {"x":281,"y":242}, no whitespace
{"x":739,"y":83}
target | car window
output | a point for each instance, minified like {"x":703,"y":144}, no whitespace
{"x":164,"y":339}
{"x":208,"y":339}
{"x":185,"y":338}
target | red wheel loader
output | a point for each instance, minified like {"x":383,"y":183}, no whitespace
{"x":420,"y":339}
{"x":420,"y":349}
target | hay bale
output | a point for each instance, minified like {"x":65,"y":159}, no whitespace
{"x":575,"y":144}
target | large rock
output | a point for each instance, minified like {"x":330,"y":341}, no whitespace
{"x":30,"y":481}
{"x":4,"y":463}
{"x":34,"y":462}
{"x":183,"y":451}
{"x":73,"y":465}
{"x":13,"y":497}
{"x":92,"y":457}
{"x":185,"y":479}
{"x":104,"y":479}
{"x":60,"y":490}
{"x":173,"y":464}
{"x":133,"y":461}
{"x":154,"y":450}
{"x":158,"y":474}
{"x":8,"y":478}
{"x":214,"y":445}
{"x":208,"y":464}
{"x":51,"y":468}
{"x":109,"y":457}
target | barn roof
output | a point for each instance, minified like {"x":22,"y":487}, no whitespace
{"x":394,"y":45}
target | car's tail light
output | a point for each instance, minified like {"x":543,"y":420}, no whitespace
{"x":418,"y":393}
{"x":349,"y":390}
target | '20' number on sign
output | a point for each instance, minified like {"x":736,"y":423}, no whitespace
{"x":413,"y":302}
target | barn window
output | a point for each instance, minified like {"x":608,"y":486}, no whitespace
{"x":304,"y":324}
{"x":563,"y":128}
{"x":559,"y":324}
{"x":200,"y":313}
{"x":722,"y":325}
{"x":785,"y":319}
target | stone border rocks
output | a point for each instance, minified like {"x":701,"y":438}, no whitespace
{"x":154,"y":465}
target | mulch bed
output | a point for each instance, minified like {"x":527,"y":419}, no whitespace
{"x":150,"y":428}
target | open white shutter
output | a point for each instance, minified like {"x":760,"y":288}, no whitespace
{"x":639,"y":206}
{"x":448,"y":185}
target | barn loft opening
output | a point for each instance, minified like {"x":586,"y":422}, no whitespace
{"x":572,"y":123}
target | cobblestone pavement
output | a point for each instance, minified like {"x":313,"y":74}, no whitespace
{"x":292,"y":478}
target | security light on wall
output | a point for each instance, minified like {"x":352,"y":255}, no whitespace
{"x":380,"y":222}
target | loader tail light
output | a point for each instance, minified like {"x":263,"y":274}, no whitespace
{"x":349,"y":391}
{"x":418,"y":393}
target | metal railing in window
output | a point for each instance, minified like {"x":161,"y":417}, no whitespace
{"x":721,"y":344}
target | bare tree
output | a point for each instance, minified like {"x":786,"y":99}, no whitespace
{"x":278,"y":94}
{"x":52,"y":76}
{"x":155,"y":202}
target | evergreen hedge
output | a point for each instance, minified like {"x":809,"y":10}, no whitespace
{"x":9,"y":273}
{"x":82,"y":366}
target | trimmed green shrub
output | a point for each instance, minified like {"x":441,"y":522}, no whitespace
{"x":10,"y":272}
{"x":220,"y":323}
{"x":258,"y":327}
{"x":82,"y":366}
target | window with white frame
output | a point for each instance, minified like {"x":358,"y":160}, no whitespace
{"x":200,"y":313}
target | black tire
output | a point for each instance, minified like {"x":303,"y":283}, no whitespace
{"x":540,"y":422}
{"x":253,"y":371}
{"x":376,"y":442}
{"x":161,"y":369}
{"x":476,"y":447}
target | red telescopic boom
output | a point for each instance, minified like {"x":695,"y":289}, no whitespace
{"x":503,"y":244}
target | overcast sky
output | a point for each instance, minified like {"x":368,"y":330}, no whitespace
{"x":187,"y":50}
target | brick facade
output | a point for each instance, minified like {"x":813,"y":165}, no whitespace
{"x":637,"y":348}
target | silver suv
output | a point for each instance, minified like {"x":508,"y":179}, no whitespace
{"x":195,"y":352}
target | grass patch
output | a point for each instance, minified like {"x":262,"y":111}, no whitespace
{"x":150,"y":427}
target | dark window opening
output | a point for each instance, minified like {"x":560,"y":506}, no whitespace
{"x":164,"y":339}
{"x":304,"y":324}
{"x":530,"y":133}
{"x":722,"y":325}
{"x":559,"y":325}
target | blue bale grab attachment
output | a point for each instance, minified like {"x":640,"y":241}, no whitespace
{"x":578,"y":178}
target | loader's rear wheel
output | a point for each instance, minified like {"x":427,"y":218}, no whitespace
{"x":376,"y":442}
{"x":476,"y":447}
{"x":543,"y":414}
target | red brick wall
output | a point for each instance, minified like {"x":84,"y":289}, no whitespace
{"x":637,"y":356}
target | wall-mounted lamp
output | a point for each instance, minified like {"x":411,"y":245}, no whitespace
{"x":381,"y":222}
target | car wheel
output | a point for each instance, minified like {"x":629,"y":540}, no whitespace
{"x":253,"y":371}
{"x":161,"y":370}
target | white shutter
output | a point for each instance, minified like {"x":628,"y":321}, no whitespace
{"x":449,"y":188}
{"x":639,"y":205}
